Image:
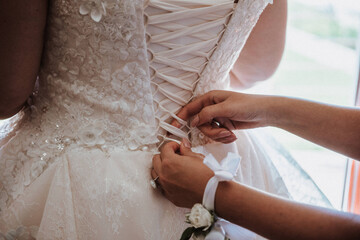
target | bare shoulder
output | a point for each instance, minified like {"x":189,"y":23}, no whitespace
{"x":22,"y":25}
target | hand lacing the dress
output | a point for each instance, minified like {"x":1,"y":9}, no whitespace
{"x":177,"y":64}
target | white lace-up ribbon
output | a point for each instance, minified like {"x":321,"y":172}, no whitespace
{"x":181,"y":35}
{"x":224,"y":171}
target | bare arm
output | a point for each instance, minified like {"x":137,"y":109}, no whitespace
{"x":263,"y":213}
{"x":277,"y":218}
{"x":334,"y":127}
{"x":22,"y":25}
{"x":263,"y":50}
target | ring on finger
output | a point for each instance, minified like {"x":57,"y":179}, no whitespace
{"x":153,"y":182}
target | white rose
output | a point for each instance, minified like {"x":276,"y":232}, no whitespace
{"x":200,"y":217}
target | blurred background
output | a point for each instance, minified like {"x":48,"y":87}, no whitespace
{"x":320,"y":63}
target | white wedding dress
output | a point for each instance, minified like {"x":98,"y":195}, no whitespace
{"x":114,"y":73}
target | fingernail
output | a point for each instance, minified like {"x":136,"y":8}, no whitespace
{"x":195,"y":121}
{"x":223,"y":134}
{"x":186,"y":143}
{"x":230,"y":139}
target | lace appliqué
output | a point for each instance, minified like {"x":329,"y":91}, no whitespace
{"x":21,"y":233}
{"x":94,"y":91}
{"x":95,"y":97}
{"x":216,"y":75}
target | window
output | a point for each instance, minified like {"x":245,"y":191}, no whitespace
{"x":320,"y":63}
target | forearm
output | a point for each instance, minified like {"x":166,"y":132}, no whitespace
{"x":277,"y":218}
{"x":336,"y":128}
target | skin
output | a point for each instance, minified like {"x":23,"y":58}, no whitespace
{"x":272,"y":217}
{"x":22,"y":25}
{"x":264,"y":48}
{"x":334,"y":127}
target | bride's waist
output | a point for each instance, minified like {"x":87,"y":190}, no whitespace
{"x":54,"y":127}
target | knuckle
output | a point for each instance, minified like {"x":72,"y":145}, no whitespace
{"x":155,"y":157}
{"x":166,"y":164}
{"x":206,"y":112}
{"x":165,"y":146}
{"x":165,"y":183}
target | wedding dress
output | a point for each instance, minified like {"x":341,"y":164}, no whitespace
{"x":114,"y":73}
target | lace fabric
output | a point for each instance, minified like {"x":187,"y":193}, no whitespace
{"x":200,"y":60}
{"x":114,"y":73}
{"x":94,"y":92}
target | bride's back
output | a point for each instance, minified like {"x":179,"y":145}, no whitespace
{"x":114,"y":73}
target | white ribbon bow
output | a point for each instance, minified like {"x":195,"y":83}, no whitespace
{"x":225,"y":171}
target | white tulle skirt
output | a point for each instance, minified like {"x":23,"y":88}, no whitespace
{"x":95,"y":195}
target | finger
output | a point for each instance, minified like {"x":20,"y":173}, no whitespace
{"x":186,"y":151}
{"x":169,"y":150}
{"x":186,"y":142}
{"x":195,"y":106}
{"x":208,"y":113}
{"x":215,"y":123}
{"x":156,"y":178}
{"x":227,"y":123}
{"x":214,"y":133}
{"x":157,"y":164}
{"x":175,"y":123}
{"x":154,"y":175}
{"x":227,"y":140}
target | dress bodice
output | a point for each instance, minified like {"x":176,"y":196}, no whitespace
{"x":115,"y":72}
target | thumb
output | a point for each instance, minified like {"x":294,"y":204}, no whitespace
{"x":169,"y":149}
{"x":185,"y":150}
{"x":207,"y":114}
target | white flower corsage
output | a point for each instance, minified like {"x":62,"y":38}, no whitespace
{"x":205,"y":224}
{"x":202,"y":225}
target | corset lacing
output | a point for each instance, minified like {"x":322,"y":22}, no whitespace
{"x":181,"y":37}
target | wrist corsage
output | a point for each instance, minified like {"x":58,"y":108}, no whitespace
{"x":205,"y":225}
{"x":202,"y":225}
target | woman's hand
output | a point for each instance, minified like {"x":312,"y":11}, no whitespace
{"x":183,"y":178}
{"x":218,"y":113}
{"x":182,"y":174}
{"x":333,"y":127}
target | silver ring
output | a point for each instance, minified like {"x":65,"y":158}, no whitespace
{"x":153,"y":182}
{"x":215,"y":124}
